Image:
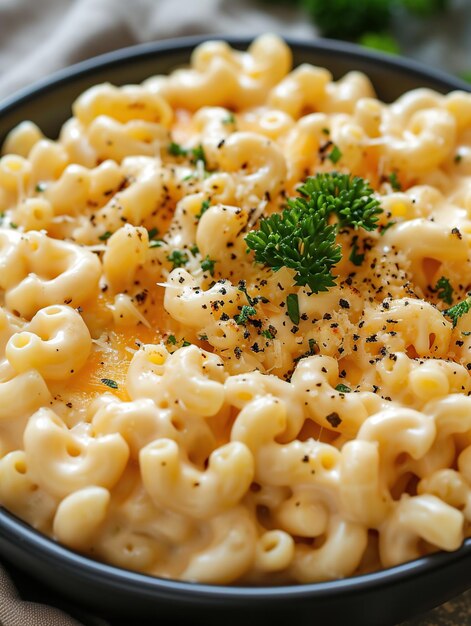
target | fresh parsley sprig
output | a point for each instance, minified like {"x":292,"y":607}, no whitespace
{"x":302,"y":236}
{"x":350,"y":198}
{"x":300,"y":239}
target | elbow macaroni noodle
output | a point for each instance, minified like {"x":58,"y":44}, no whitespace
{"x":142,"y":421}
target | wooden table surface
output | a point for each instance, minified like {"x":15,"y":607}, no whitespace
{"x":456,"y":612}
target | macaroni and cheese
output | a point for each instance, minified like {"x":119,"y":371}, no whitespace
{"x":168,"y":404}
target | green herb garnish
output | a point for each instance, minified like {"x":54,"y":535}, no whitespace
{"x":444,"y":290}
{"x":311,"y":352}
{"x":349,"y":198}
{"x":301,"y":240}
{"x":335,"y":155}
{"x":386,"y":227}
{"x":105,"y":236}
{"x":172,"y":339}
{"x":302,"y":237}
{"x":355,"y":258}
{"x":343,"y":388}
{"x":230,"y":119}
{"x":242,"y":287}
{"x":110,"y":383}
{"x":292,"y":305}
{"x":178,"y":258}
{"x":245,"y":312}
{"x":458,"y":310}
{"x":207,"y":265}
{"x":197,"y":154}
{"x":175,"y":149}
{"x":204,"y":207}
{"x":395,"y":184}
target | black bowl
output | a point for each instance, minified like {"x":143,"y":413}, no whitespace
{"x":382,"y":598}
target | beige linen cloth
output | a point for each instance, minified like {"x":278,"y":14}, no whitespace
{"x":38,"y":37}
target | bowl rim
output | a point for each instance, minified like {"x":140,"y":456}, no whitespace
{"x":49,"y":550}
{"x":142,"y":51}
{"x":27,"y":538}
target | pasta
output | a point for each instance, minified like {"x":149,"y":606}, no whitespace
{"x":172,"y":405}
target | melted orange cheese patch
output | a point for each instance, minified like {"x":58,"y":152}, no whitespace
{"x":107,"y":365}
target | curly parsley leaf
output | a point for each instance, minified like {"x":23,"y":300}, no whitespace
{"x":302,"y":238}
{"x":350,"y":198}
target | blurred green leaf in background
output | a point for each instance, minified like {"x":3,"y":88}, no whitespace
{"x":425,"y":8}
{"x":367,"y":22}
{"x":380,"y":41}
{"x":344,"y":19}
